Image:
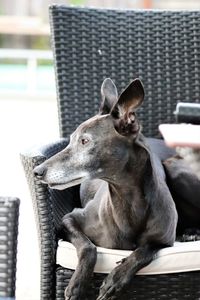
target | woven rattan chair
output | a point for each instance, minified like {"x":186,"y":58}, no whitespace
{"x":9,"y":213}
{"x":163,"y":49}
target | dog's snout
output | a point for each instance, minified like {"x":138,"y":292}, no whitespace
{"x":39,"y":172}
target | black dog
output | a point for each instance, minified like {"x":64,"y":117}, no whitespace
{"x":126,"y":201}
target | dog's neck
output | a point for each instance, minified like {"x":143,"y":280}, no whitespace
{"x":127,"y":184}
{"x":126,"y":201}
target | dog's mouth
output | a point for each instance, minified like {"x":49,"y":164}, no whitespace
{"x":64,"y":185}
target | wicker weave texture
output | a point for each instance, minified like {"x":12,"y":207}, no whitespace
{"x":160,"y":47}
{"x":9,"y":213}
{"x":44,"y":215}
{"x":154,"y":287}
{"x":44,"y":220}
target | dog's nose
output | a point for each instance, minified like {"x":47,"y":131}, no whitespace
{"x":39,"y":172}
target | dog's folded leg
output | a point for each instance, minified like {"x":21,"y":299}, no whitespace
{"x":123,"y":274}
{"x":86,"y":252}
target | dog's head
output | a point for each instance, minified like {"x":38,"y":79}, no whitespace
{"x":98,"y":148}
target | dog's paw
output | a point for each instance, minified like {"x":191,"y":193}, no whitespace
{"x":69,"y":295}
{"x":114,"y":284}
{"x":111,"y":287}
{"x":73,"y":293}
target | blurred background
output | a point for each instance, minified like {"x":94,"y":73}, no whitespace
{"x":28,"y":112}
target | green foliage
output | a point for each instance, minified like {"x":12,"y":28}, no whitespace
{"x":40,"y":42}
{"x":77,"y":2}
{"x":12,"y":61}
{"x":1,"y":11}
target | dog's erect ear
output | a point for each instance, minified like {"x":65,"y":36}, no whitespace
{"x":130,"y":99}
{"x":123,"y":112}
{"x":109,"y":96}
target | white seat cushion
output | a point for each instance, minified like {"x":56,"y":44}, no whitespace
{"x":182,"y":257}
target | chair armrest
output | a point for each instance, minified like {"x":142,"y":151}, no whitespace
{"x":46,"y":150}
{"x":39,"y":192}
{"x":42,"y":205}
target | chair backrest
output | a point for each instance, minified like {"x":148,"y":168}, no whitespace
{"x":160,"y":47}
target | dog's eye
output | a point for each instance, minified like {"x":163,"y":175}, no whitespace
{"x":84,"y":141}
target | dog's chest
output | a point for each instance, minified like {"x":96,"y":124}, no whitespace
{"x":123,"y":226}
{"x":114,"y":228}
{"x":110,"y":236}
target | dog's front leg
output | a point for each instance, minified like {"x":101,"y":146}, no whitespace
{"x":123,"y":274}
{"x":86,"y":252}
